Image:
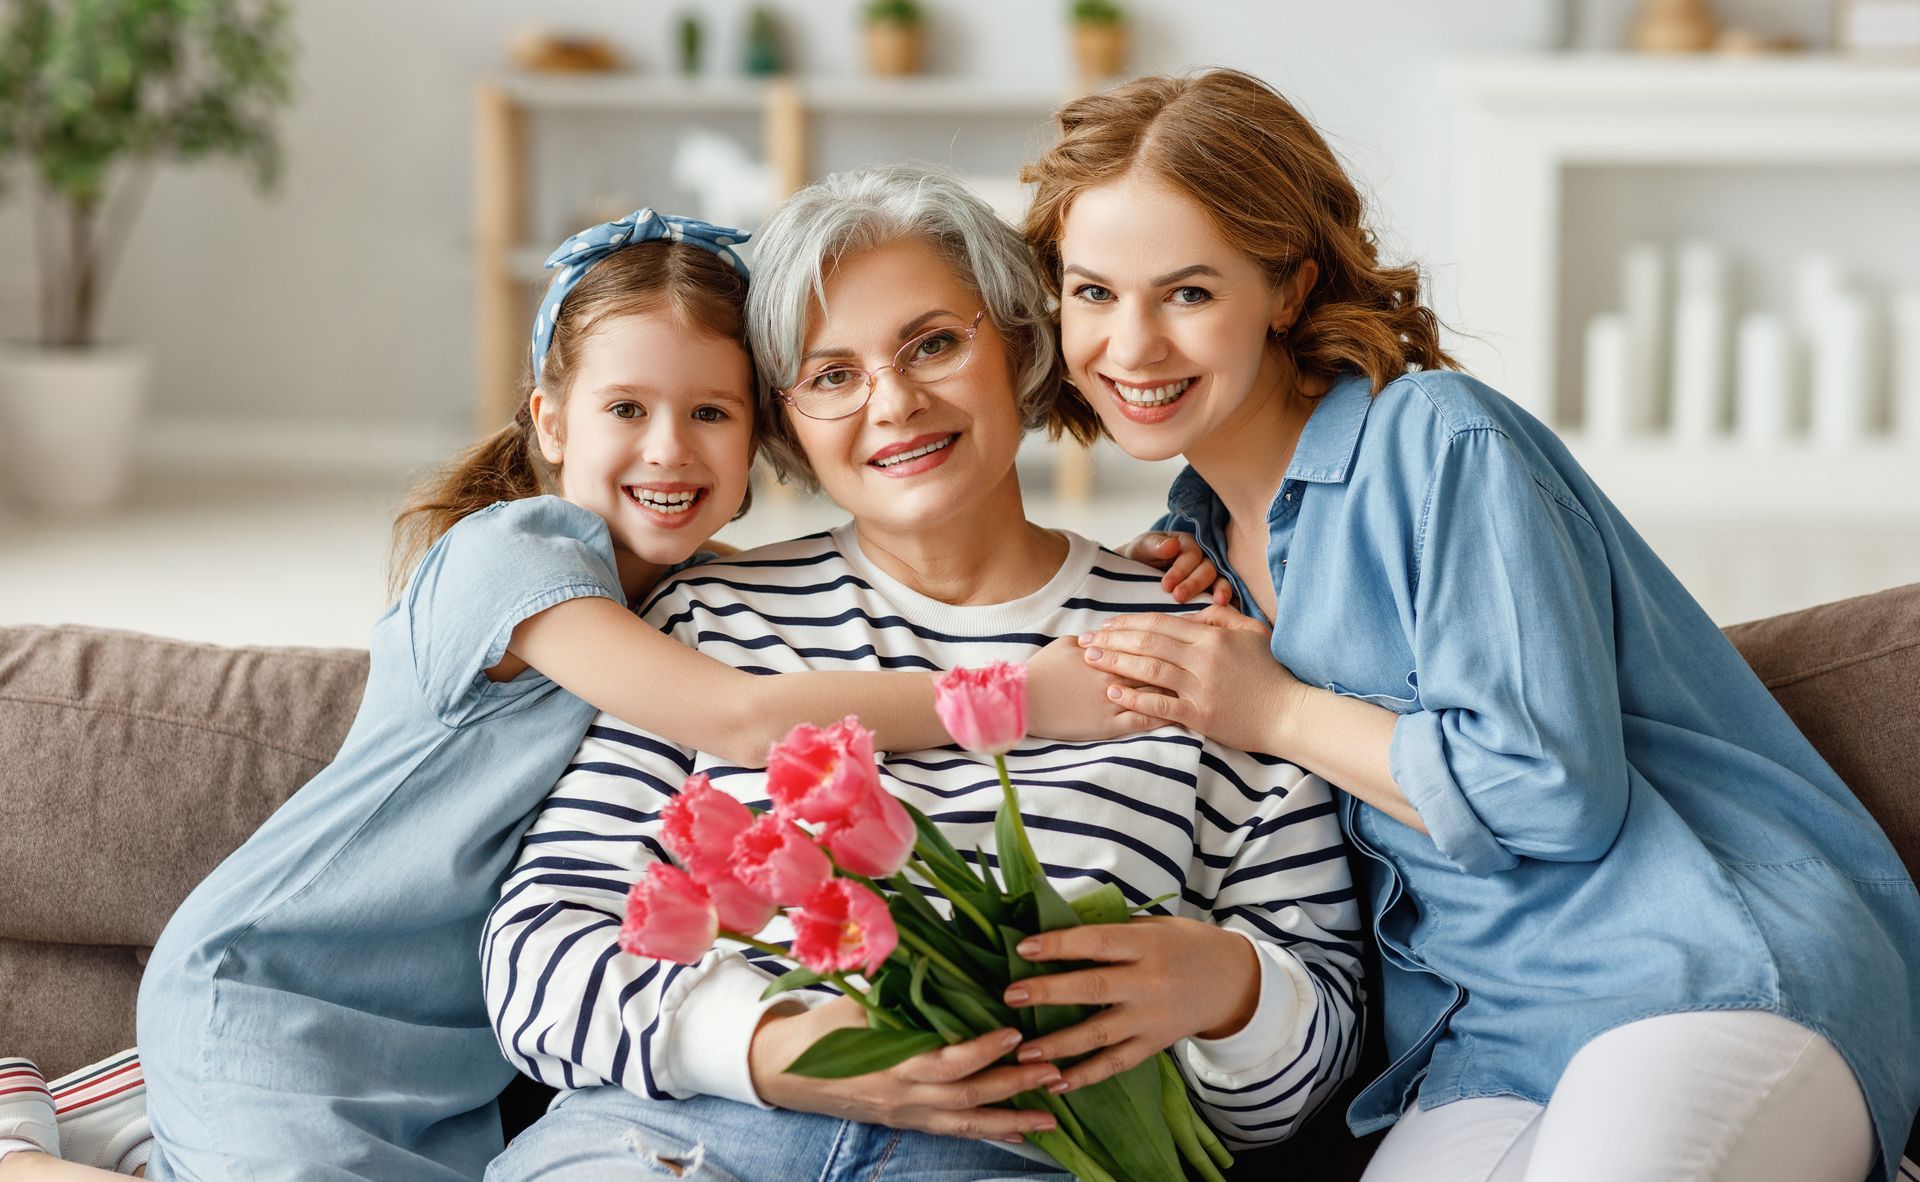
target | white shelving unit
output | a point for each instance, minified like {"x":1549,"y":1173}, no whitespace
{"x":508,"y":267}
{"x":1526,"y":121}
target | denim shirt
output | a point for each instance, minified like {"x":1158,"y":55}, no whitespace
{"x":1624,"y":823}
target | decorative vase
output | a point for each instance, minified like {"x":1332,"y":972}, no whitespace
{"x":67,"y":422}
{"x":1674,"y":26}
{"x":894,"y":49}
{"x":1099,"y":50}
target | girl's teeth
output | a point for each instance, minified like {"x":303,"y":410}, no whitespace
{"x":1153,"y":395}
{"x":665,"y":502}
{"x":916,"y":453}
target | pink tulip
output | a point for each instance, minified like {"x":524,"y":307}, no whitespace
{"x":780,"y":860}
{"x":843,"y":926}
{"x":699,"y":826}
{"x":821,"y":776}
{"x":742,"y":909}
{"x":985,"y":710}
{"x":875,"y":840}
{"x":669,"y":917}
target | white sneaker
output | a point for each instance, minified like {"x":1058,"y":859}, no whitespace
{"x":102,"y":1111}
{"x":26,"y":1108}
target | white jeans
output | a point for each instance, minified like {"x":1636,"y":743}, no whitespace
{"x":1720,"y":1096}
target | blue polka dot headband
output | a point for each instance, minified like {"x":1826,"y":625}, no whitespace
{"x":577,"y":255}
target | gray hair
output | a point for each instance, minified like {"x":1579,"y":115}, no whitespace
{"x":850,"y":212}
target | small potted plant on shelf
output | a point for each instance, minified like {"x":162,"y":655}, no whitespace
{"x":894,"y":37}
{"x":94,"y":97}
{"x":1099,"y":38}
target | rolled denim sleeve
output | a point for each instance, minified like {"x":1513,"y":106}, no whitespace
{"x":1517,"y":750}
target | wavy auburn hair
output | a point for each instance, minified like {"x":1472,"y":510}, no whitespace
{"x":1274,"y":191}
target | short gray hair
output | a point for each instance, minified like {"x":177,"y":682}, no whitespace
{"x":855,"y":211}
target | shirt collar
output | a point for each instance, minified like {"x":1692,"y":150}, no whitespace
{"x":1324,"y":454}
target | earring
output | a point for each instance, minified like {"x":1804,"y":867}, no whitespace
{"x":1274,"y":334}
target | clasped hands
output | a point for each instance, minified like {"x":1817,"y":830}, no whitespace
{"x":1156,"y":979}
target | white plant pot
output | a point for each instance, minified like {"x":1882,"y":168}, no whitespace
{"x":67,"y":422}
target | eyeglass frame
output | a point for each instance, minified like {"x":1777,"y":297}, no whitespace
{"x":872,"y":376}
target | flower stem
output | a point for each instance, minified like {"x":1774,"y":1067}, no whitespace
{"x":750,"y":942}
{"x":961,"y":905}
{"x":866,"y":1000}
{"x":933,"y":954}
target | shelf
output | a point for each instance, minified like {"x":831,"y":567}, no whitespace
{"x":1525,"y":120}
{"x":856,"y":96}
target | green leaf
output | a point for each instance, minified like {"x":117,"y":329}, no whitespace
{"x":944,"y":1022}
{"x":798,"y":978}
{"x":1124,"y":1116}
{"x":1102,"y":904}
{"x":853,"y":1051}
{"x":1019,"y":865}
{"x":1190,"y":1131}
{"x":1039,"y":1019}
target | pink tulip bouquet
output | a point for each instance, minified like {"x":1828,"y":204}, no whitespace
{"x":833,"y":839}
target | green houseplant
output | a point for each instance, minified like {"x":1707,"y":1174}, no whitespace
{"x":895,"y":43}
{"x":1100,"y":39}
{"x":95,"y":95}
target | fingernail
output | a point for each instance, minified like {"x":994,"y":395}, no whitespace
{"x":1015,"y":995}
{"x":1027,"y":947}
{"x":1010,"y":1039}
{"x":1030,"y":1054}
{"x":1094,"y":654}
{"x":1086,"y":638}
{"x":1058,"y":1086}
{"x":1113,"y":692}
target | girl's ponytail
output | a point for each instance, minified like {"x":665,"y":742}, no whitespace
{"x":504,"y":466}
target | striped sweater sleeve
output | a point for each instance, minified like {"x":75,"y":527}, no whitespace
{"x":1271,"y":866}
{"x":568,"y":1006}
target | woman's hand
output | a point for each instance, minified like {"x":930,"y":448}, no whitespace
{"x":1212,"y":672}
{"x":1159,"y":979}
{"x":947,"y":1091}
{"x":1067,"y":698}
{"x":1189,"y":571}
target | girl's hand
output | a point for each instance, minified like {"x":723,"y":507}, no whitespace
{"x":1211,"y":672}
{"x":1189,"y":571}
{"x":1067,"y":698}
{"x":1159,"y":979}
{"x":947,"y":1091}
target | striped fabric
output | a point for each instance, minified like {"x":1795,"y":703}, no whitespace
{"x":26,"y":1109}
{"x":89,"y":1088}
{"x":1909,"y":1172}
{"x":1245,"y":841}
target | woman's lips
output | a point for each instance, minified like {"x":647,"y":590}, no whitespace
{"x":918,"y":464}
{"x":1156,"y":413}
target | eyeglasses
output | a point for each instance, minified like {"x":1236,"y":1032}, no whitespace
{"x":837,"y":389}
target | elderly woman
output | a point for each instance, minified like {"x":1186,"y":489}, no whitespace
{"x":906,"y":340}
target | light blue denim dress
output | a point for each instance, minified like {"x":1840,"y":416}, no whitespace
{"x":314,"y":1008}
{"x":1624,"y":822}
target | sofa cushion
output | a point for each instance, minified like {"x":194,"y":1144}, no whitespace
{"x":1848,"y":674}
{"x":134,"y":764}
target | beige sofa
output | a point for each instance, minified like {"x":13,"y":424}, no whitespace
{"x":130,"y":765}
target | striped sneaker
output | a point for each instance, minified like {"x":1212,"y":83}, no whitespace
{"x":26,"y":1107}
{"x":102,"y":1112}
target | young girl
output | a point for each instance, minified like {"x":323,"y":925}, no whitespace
{"x":314,"y":1008}
{"x":1631,"y":925}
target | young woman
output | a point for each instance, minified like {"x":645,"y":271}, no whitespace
{"x":1631,"y":925}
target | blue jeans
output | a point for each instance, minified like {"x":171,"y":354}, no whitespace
{"x":606,"y":1134}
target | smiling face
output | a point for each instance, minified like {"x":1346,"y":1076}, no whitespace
{"x":1163,"y":324}
{"x":655,"y":435}
{"x":918,"y":457}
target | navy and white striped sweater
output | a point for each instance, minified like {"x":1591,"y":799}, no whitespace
{"x":1244,"y":841}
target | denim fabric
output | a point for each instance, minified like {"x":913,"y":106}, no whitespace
{"x":314,"y":1008}
{"x":1623,"y":821}
{"x":606,"y":1134}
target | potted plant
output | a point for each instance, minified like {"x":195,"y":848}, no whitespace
{"x":1099,"y":38}
{"x":894,"y":41}
{"x":94,"y":95}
